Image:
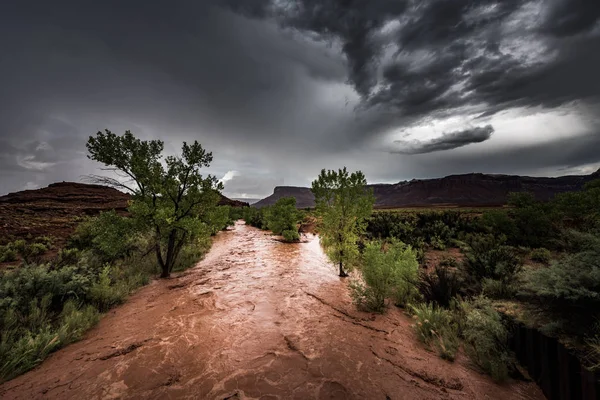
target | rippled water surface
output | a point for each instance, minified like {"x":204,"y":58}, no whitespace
{"x":256,"y":319}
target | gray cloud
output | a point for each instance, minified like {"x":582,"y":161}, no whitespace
{"x":278,"y":90}
{"x":447,"y":141}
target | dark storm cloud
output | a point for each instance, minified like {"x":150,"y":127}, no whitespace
{"x":452,"y":55}
{"x":565,"y":18}
{"x":447,"y":141}
{"x":281,"y":84}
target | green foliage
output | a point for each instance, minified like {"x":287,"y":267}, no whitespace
{"x":29,"y":252}
{"x":488,"y":258}
{"x":388,"y":270}
{"x":25,"y":340}
{"x":283,"y":216}
{"x":343,"y":204}
{"x":439,"y":287}
{"x":104,"y":294}
{"x":168,"y":197}
{"x":236,"y":213}
{"x":435,"y":326}
{"x":291,"y":235}
{"x":108,"y":235}
{"x":8,"y":253}
{"x":486,"y":338}
{"x":573,"y":280}
{"x":541,"y":255}
{"x":499,"y":222}
{"x":256,"y":217}
{"x":582,"y":208}
{"x":192,"y":253}
{"x":217,"y":219}
{"x":536,"y":222}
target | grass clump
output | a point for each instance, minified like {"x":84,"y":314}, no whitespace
{"x":486,"y":338}
{"x":440,"y":286}
{"x":436,"y":327}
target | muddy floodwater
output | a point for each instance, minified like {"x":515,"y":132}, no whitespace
{"x":256,"y":319}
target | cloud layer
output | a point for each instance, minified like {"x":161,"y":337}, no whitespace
{"x":278,"y":90}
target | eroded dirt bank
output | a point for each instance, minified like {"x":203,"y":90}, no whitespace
{"x":257,"y":319}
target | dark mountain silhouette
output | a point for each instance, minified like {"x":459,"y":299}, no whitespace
{"x":468,"y":190}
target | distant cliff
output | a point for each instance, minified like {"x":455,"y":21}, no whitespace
{"x":466,"y":190}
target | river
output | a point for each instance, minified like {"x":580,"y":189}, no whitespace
{"x":256,"y":319}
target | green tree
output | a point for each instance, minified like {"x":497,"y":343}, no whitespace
{"x":169,"y":194}
{"x":282,"y":218}
{"x":343,"y":204}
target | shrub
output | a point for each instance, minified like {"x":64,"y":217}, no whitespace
{"x":440,"y":286}
{"x":283,"y":216}
{"x":487,"y":258}
{"x":291,"y":235}
{"x":435,"y":326}
{"x":7,"y":254}
{"x":23,"y":346}
{"x":387,"y":270}
{"x":498,"y":289}
{"x":256,"y":217}
{"x":574,"y":280}
{"x":103,"y":294}
{"x":486,"y":338}
{"x":28,"y":252}
{"x":541,"y":255}
{"x":108,"y":235}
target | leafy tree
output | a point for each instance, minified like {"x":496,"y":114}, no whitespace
{"x":169,"y":195}
{"x":344,"y":204}
{"x":282,"y":217}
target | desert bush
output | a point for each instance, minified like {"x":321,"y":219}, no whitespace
{"x":291,"y":235}
{"x":7,"y":253}
{"x":109,"y":235}
{"x":66,"y":257}
{"x":499,"y":222}
{"x":435,"y":326}
{"x":488,"y":258}
{"x":541,"y":255}
{"x":24,"y":345}
{"x":45,"y":240}
{"x":388,"y":270}
{"x":486,"y":338}
{"x":499,"y":289}
{"x":573,"y":280}
{"x":385,"y":225}
{"x":440,"y":286}
{"x":29,"y":252}
{"x":104,"y":294}
{"x":21,"y":286}
{"x":536,"y":222}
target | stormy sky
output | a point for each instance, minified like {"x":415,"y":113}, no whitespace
{"x":279,"y":89}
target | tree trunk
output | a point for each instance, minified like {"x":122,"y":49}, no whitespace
{"x":342,"y":273}
{"x":170,"y":261}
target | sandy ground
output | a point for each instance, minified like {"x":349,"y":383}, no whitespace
{"x":256,"y":319}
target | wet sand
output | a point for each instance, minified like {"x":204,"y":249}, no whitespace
{"x":256,"y":319}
